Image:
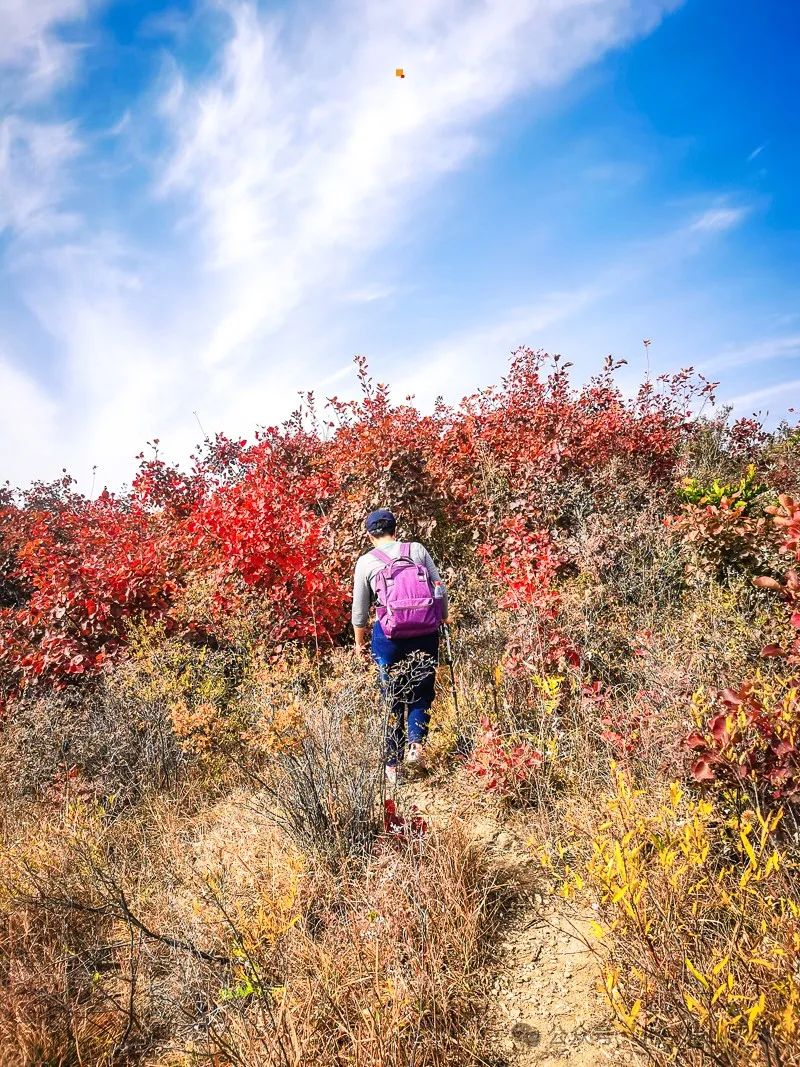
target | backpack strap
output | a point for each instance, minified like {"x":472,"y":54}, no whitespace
{"x":382,"y":556}
{"x":405,"y":550}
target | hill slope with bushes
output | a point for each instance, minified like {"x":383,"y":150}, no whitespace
{"x":198,"y":863}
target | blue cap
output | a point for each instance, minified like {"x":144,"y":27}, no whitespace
{"x":381,"y":515}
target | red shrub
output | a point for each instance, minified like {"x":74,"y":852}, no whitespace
{"x":753,"y":739}
{"x":506,"y":768}
{"x":83,"y":571}
{"x":786,"y":517}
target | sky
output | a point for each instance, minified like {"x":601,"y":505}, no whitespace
{"x":207,"y":206}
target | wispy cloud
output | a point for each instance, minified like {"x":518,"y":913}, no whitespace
{"x":34,"y":158}
{"x":756,"y":152}
{"x":29,"y":421}
{"x":284,"y":170}
{"x":759,"y":351}
{"x":34,"y":59}
{"x":480,"y":349}
{"x":787,"y":393}
{"x":478,"y":353}
{"x":369,"y":294}
{"x":297,"y":164}
{"x":719,"y":219}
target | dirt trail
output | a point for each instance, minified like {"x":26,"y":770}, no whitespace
{"x":547,"y":1008}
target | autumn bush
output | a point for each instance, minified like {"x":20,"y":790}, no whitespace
{"x":698,"y":919}
{"x":198,"y":863}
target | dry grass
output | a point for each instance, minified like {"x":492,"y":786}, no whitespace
{"x":213,"y":884}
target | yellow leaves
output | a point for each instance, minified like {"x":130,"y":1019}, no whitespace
{"x":788,"y":1022}
{"x":744,"y":837}
{"x":695,"y":1007}
{"x":701,"y":978}
{"x":619,"y":861}
{"x":598,"y":931}
{"x":772,"y":864}
{"x":620,"y":893}
{"x":688,"y":875}
{"x":770,"y":824}
{"x":754,"y":1014}
{"x":720,"y":965}
{"x":549,"y":686}
{"x":628,"y":1018}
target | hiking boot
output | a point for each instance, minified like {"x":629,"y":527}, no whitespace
{"x":415,"y":757}
{"x":392,"y":775}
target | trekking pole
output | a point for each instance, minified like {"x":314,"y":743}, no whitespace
{"x":460,"y":743}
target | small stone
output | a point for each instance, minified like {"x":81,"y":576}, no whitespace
{"x":525,"y":1034}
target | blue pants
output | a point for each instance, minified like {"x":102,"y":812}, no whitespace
{"x":407,"y":672}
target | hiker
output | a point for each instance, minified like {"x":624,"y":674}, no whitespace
{"x":402,"y":581}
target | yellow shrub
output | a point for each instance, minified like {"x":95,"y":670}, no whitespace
{"x":701,"y":913}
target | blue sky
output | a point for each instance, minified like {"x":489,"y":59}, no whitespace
{"x":206,"y":207}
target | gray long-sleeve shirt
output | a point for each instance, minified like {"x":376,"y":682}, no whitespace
{"x":367,"y":569}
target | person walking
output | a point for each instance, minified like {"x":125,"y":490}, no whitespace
{"x":411,"y":602}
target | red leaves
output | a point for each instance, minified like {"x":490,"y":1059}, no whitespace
{"x":506,"y":768}
{"x":767,"y":583}
{"x":772,"y":650}
{"x":87,"y":567}
{"x":786,"y":516}
{"x":399,"y":829}
{"x":264,"y":548}
{"x":264,"y":536}
{"x":702,"y":770}
{"x":753,"y":740}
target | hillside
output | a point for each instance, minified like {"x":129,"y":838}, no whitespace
{"x":200,"y":862}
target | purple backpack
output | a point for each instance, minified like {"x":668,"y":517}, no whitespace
{"x":407,"y":602}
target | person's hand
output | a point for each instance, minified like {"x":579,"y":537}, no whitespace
{"x":361,"y":652}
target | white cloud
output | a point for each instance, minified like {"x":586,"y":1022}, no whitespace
{"x":34,"y":157}
{"x":34,"y":154}
{"x":297,"y":163}
{"x":369,"y":294}
{"x":754,"y":352}
{"x":33,"y":58}
{"x":28,"y":423}
{"x":719,"y":219}
{"x":479,"y":351}
{"x":478,"y":354}
{"x":786,"y":393}
{"x":297,"y":157}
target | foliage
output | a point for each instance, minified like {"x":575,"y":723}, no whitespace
{"x":197,"y":860}
{"x":749,"y":740}
{"x":701,"y":916}
{"x":741,"y":495}
{"x":720,"y":532}
{"x":786,"y":517}
{"x":506,"y":767}
{"x":262,"y":536}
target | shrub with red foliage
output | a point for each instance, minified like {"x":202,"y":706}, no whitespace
{"x":786,"y":516}
{"x":752,"y":740}
{"x":506,"y":768}
{"x":267,"y":552}
{"x":82,"y":571}
{"x":272,"y":529}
